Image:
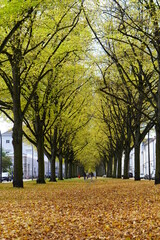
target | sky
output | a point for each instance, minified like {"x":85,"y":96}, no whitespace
{"x":5,"y":125}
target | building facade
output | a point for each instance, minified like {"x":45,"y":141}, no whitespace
{"x":147,"y":157}
{"x":30,"y":163}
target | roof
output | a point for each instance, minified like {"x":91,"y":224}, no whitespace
{"x":9,"y":132}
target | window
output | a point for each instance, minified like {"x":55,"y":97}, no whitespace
{"x":7,"y":141}
{"x":7,"y":151}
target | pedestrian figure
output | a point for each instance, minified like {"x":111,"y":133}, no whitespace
{"x":84,"y":176}
{"x":92,"y":175}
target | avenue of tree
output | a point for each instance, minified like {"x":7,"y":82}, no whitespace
{"x":80,"y":80}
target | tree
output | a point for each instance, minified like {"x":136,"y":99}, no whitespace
{"x":6,"y":162}
{"x":25,"y":59}
{"x":144,"y":34}
{"x":131,"y":61}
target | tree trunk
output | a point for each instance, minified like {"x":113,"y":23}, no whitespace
{"x":107,"y":172}
{"x":53,"y":169}
{"x":115,"y":166}
{"x":40,"y":151}
{"x":17,"y":129}
{"x":66,"y":166}
{"x":17,"y":145}
{"x":119,"y":164}
{"x":157,"y":175}
{"x":137,"y":153}
{"x":126,"y":161}
{"x":127,"y":144}
{"x":70,"y":168}
{"x":60,"y":177}
{"x":104,"y":165}
{"x":109,"y":168}
{"x":74,"y":170}
{"x":138,"y":123}
{"x":53,"y":156}
{"x":80,"y":170}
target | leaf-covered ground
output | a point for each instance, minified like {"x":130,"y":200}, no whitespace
{"x":102,"y":209}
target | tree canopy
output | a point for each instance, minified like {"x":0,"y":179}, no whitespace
{"x":81,"y":80}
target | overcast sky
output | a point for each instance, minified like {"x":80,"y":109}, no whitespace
{"x":4,"y":125}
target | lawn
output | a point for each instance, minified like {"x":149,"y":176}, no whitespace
{"x":78,"y":209}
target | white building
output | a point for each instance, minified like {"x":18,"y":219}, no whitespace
{"x":30,"y":164}
{"x":147,"y":155}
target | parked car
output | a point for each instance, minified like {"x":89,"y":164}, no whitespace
{"x":141,"y":176}
{"x":153,"y":177}
{"x":130,"y":175}
{"x":146,"y":176}
{"x":104,"y":176}
{"x":6,"y":176}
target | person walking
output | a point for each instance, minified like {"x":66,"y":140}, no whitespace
{"x":92,"y":175}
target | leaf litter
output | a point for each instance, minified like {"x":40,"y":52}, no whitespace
{"x":79,"y":210}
